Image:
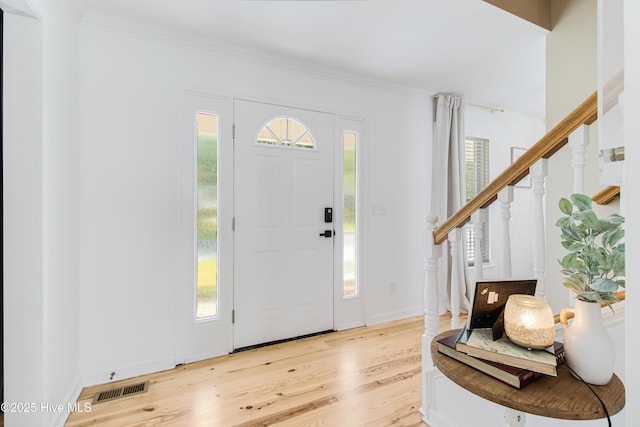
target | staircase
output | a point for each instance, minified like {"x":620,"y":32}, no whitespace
{"x":444,"y":404}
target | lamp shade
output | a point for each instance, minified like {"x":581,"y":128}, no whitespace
{"x":528,"y":322}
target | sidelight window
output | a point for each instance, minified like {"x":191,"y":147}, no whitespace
{"x":207,"y":216}
{"x":349,"y":188}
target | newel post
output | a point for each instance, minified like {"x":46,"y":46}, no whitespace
{"x":431,"y":298}
{"x":431,"y":301}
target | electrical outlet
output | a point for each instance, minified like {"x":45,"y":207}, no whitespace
{"x":392,"y":287}
{"x":377,"y":209}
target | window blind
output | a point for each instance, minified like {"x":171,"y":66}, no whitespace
{"x":476,"y":178}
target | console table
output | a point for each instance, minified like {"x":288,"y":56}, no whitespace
{"x":562,"y":397}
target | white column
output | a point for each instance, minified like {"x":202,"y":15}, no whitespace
{"x":431,"y":319}
{"x":538,"y":176}
{"x":457,"y":276}
{"x":578,"y":141}
{"x":505,"y":198}
{"x":478,"y":218}
{"x":431,"y":298}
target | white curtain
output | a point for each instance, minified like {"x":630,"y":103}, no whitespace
{"x":448,"y":192}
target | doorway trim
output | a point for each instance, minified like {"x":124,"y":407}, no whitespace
{"x":281,"y":192}
{"x":188,"y":327}
{"x":350,"y":312}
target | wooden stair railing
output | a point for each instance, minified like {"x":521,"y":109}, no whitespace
{"x":585,"y":114}
{"x":605,"y":196}
{"x":572,"y":130}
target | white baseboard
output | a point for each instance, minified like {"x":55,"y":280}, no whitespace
{"x":205,"y":356}
{"x":60,"y":417}
{"x":345,"y":326}
{"x":122,"y":373}
{"x":395,"y":315}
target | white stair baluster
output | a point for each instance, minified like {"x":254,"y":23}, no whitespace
{"x":457,"y":276}
{"x":505,"y":198}
{"x":538,"y":176}
{"x":578,"y":141}
{"x":478,"y":218}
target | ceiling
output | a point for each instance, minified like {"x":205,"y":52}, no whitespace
{"x":467,"y":47}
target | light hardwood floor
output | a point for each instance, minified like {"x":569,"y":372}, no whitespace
{"x":366,"y":376}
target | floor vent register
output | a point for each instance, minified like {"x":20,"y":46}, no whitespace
{"x":120,"y":392}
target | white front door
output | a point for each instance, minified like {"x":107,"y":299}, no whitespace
{"x":283,"y":266}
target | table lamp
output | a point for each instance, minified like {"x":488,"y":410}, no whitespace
{"x":528,"y":322}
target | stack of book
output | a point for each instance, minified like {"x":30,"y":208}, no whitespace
{"x":501,"y":359}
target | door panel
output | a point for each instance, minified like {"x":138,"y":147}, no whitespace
{"x":205,"y":337}
{"x":283,"y":268}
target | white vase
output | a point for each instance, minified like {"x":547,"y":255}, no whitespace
{"x":588,"y":347}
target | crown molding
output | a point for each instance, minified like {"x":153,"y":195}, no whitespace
{"x":19,"y":7}
{"x":174,"y":38}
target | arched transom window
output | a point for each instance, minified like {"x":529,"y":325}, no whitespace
{"x":286,"y":132}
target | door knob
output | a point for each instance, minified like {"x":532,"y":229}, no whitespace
{"x":327,"y":233}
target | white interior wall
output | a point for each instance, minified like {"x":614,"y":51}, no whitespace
{"x":505,"y":130}
{"x":632,"y":202}
{"x":23,"y":243}
{"x":571,"y":78}
{"x":60,"y":191}
{"x":41,"y":338}
{"x":129,"y":85}
{"x":129,"y":88}
{"x":126,"y":190}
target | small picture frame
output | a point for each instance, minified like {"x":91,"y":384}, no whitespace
{"x":489,"y":299}
{"x":515,"y":153}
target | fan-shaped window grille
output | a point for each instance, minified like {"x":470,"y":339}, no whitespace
{"x":286,"y":132}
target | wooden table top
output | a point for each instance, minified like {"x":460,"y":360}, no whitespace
{"x":562,"y":397}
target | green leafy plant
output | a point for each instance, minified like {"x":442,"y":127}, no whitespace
{"x":595,"y":264}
